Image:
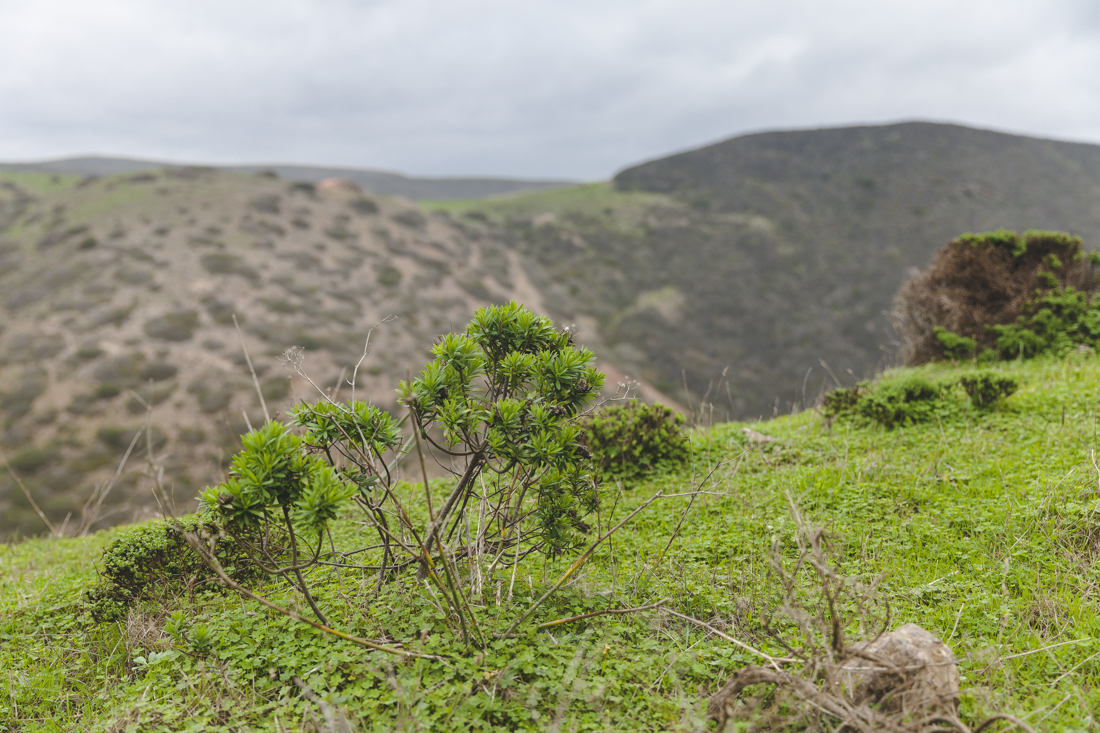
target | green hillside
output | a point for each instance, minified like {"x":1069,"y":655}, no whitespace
{"x":768,"y":253}
{"x":982,"y":526}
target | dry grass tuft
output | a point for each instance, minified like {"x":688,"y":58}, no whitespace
{"x":144,"y":632}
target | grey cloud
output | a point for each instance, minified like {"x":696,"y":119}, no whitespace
{"x":542,"y":88}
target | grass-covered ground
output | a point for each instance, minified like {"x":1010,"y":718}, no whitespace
{"x":983,"y":526}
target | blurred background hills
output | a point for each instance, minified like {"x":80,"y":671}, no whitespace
{"x":379,"y":182}
{"x":752,"y":274}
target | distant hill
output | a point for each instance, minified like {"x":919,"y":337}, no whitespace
{"x":777,"y":255}
{"x":379,"y":182}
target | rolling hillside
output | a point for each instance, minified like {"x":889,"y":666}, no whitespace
{"x":777,"y":255}
{"x":117,"y":293}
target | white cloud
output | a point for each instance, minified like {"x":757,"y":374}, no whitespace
{"x":539,"y":88}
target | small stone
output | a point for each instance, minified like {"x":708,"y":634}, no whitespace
{"x":924,"y":679}
{"x":755,"y":437}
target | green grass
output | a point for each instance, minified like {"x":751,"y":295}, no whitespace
{"x":983,"y":527}
{"x":40,"y":183}
{"x":600,"y":200}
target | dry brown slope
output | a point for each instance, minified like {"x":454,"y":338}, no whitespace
{"x":121,"y":287}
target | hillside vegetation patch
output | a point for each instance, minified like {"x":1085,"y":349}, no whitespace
{"x":898,"y":399}
{"x":1001,"y":295}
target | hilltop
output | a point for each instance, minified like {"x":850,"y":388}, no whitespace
{"x":777,"y":255}
{"x":384,"y":183}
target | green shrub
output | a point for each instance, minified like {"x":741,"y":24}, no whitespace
{"x":158,"y":371}
{"x":990,"y":287}
{"x":274,"y":479}
{"x":410,"y":218}
{"x":221,"y":312}
{"x":630,"y":440}
{"x":1055,"y":321}
{"x":19,"y":401}
{"x":106,"y":391}
{"x":277,"y":486}
{"x":211,"y":395}
{"x":88,"y":350}
{"x":1002,"y":239}
{"x":275,"y":388}
{"x":954,"y":345}
{"x":506,"y":393}
{"x":177,"y":326}
{"x":843,"y":401}
{"x":389,"y":275}
{"x":268,"y":204}
{"x":32,"y":459}
{"x":908,"y":400}
{"x":119,"y":439}
{"x":154,"y":559}
{"x":364,"y":206}
{"x":986,"y":389}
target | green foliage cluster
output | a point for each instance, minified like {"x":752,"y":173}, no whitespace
{"x":1002,"y":295}
{"x":955,"y":346}
{"x":629,"y":441}
{"x":506,"y":394}
{"x":899,"y":402}
{"x":273,"y":479}
{"x":913,"y":398}
{"x":154,"y":559}
{"x":1055,"y":322}
{"x":1003,"y":239}
{"x":985,"y":389}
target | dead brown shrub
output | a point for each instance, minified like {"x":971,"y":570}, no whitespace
{"x":144,"y":632}
{"x":985,"y":279}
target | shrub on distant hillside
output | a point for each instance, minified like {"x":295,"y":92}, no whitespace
{"x":364,"y":206}
{"x":982,"y":281}
{"x":633,"y":439}
{"x":176,"y":326}
{"x":389,"y":275}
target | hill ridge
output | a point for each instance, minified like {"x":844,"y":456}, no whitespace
{"x":385,"y":183}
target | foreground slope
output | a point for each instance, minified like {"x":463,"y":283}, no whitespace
{"x":768,"y":253}
{"x":983,"y":527}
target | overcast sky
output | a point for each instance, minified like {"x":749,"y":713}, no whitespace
{"x":561,"y":88}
